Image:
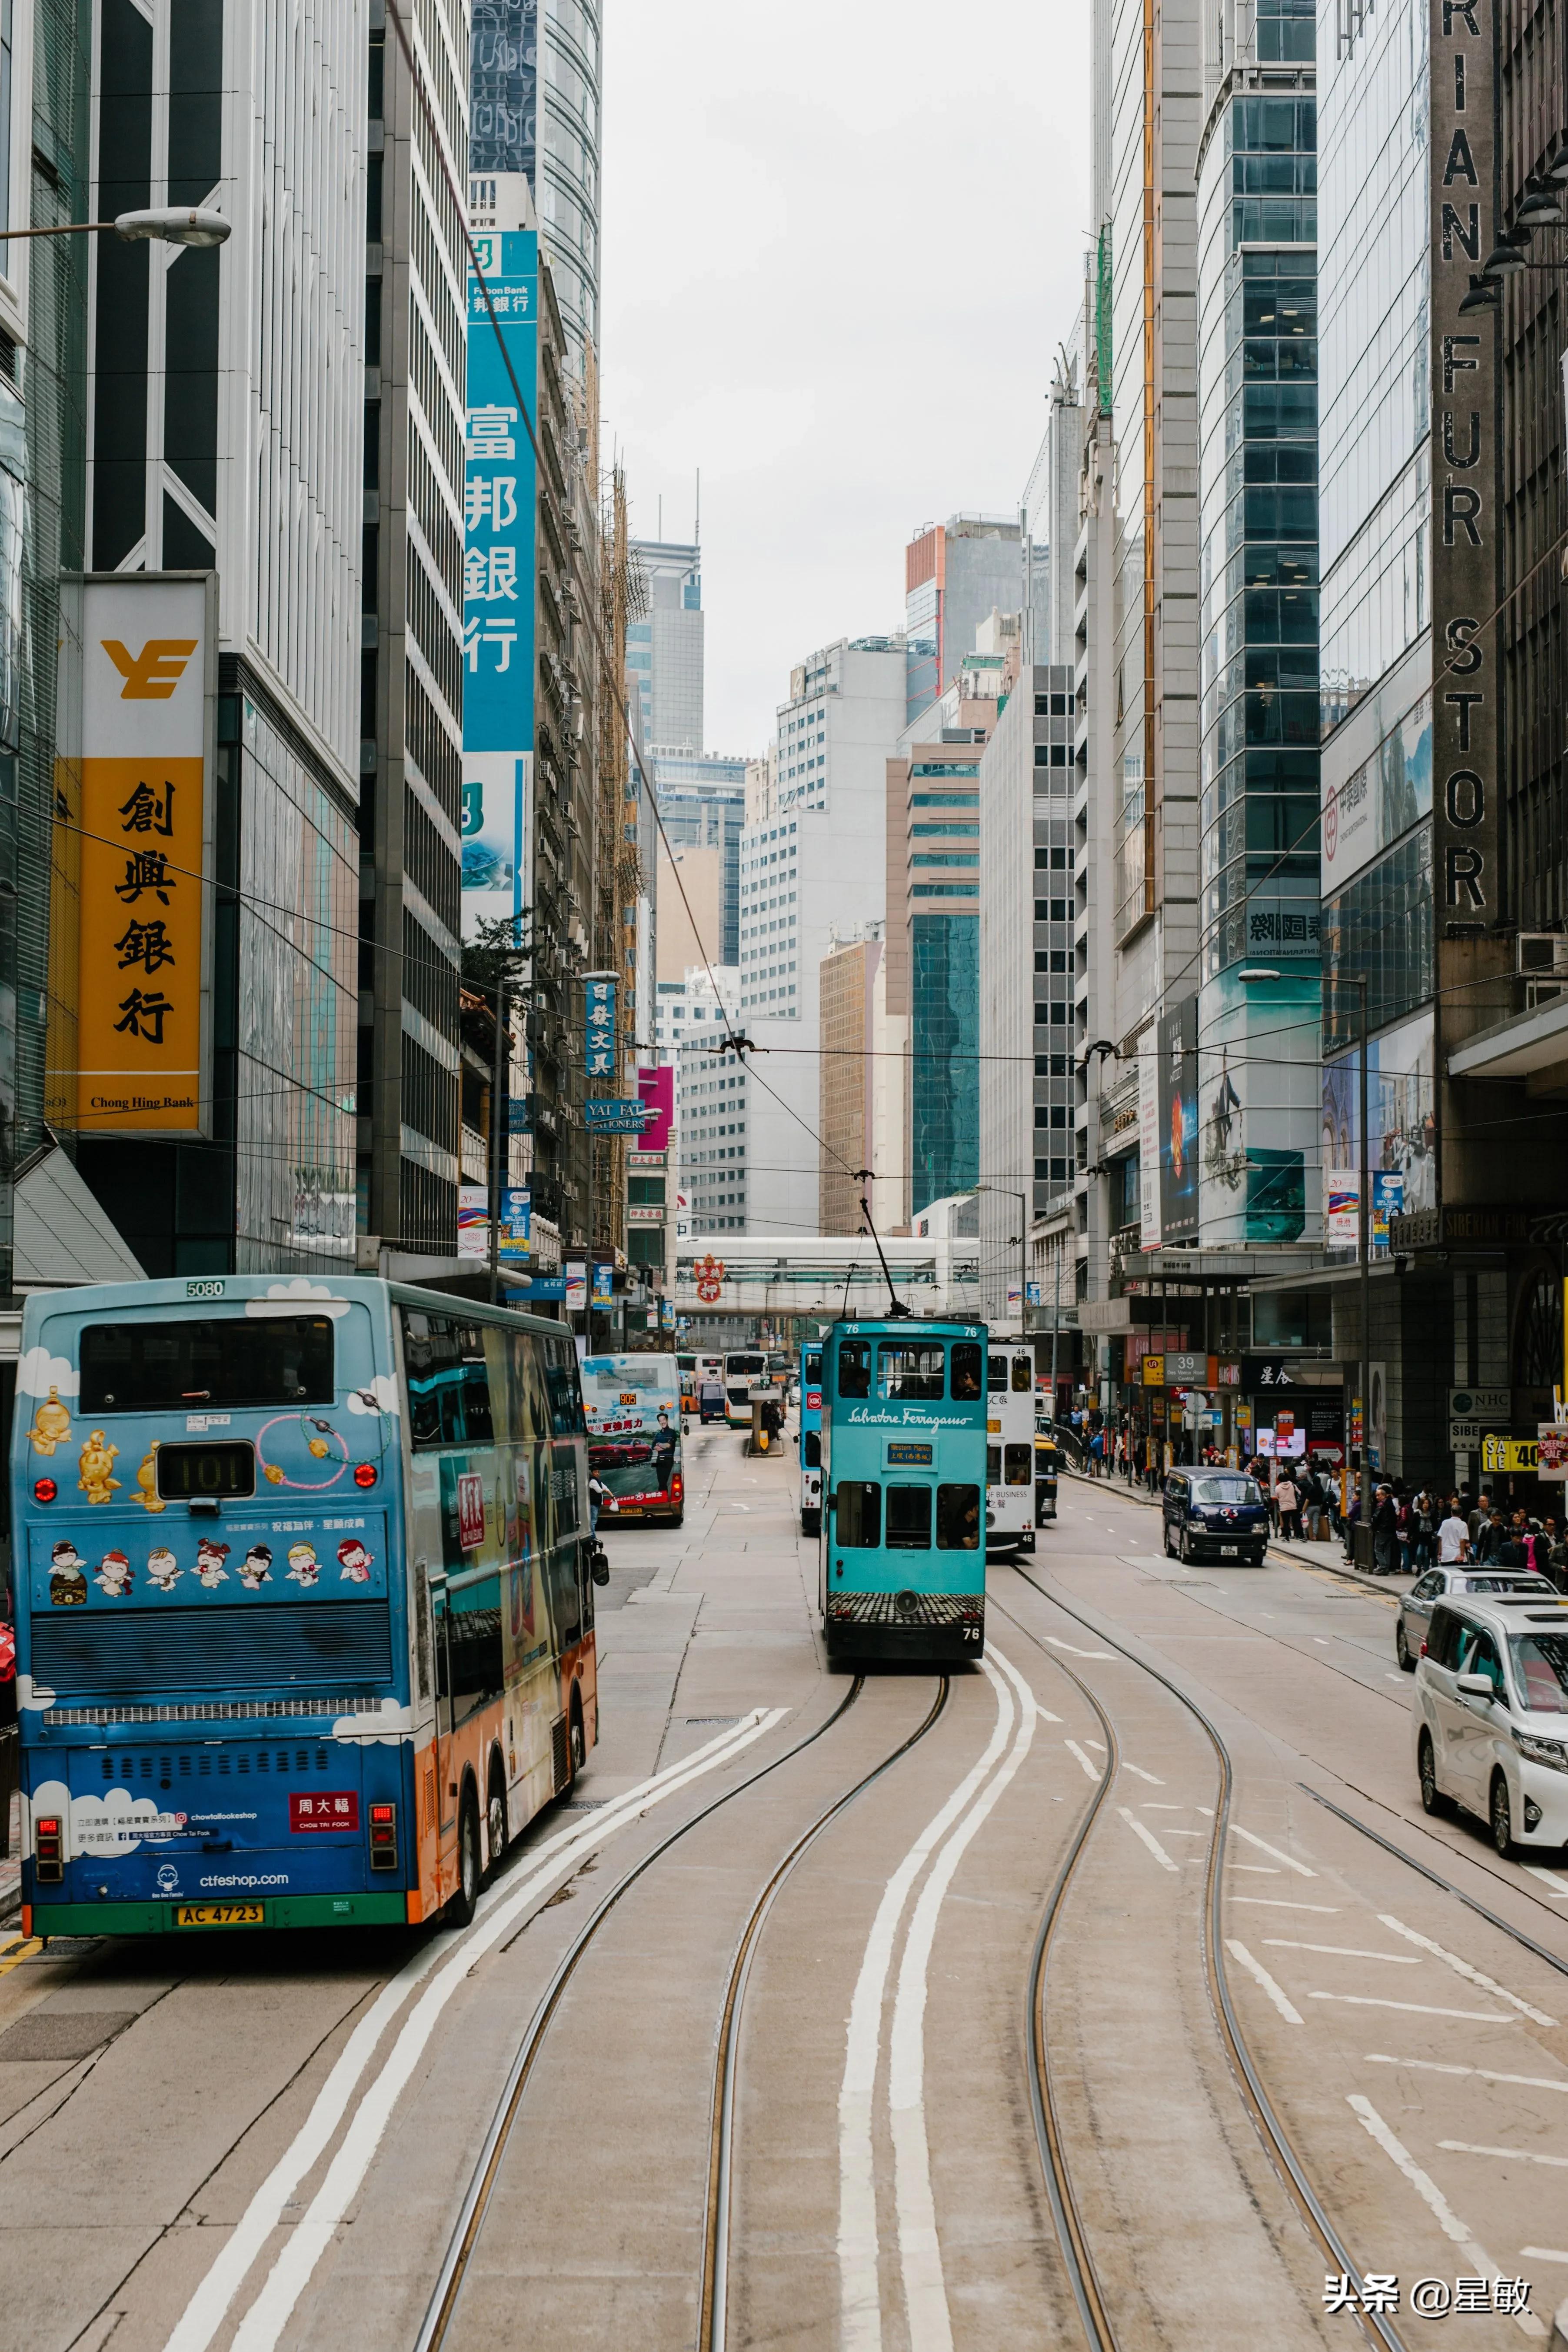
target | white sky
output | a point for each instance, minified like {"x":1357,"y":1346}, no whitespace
{"x":841,"y":242}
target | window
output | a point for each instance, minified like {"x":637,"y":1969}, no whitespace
{"x":1541,"y":1669}
{"x":1478,"y":1656}
{"x":1225,"y":1490}
{"x":1023,"y":1375}
{"x":911,"y":1370}
{"x":1020,"y":1465}
{"x":647,"y":1191}
{"x":810,"y":1446}
{"x":857,"y":1509}
{"x":996,"y":1373}
{"x":239,"y":1361}
{"x":909,"y":1518}
{"x":812,"y":1367}
{"x":966,"y":1370}
{"x":448,"y":1381}
{"x":993,"y":1466}
{"x":854,"y":1368}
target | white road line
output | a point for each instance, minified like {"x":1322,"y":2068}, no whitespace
{"x":1553,"y":1878}
{"x":1486,"y":2074}
{"x":1416,"y":2008}
{"x":1391,"y":1677}
{"x":1256,"y":1869}
{"x":209,"y":2306}
{"x":1089,"y":1766}
{"x":1543,"y":2254}
{"x":1432,"y":2197}
{"x":1256,"y":1968}
{"x":1263,"y":1846}
{"x":1347,"y":1951}
{"x":1282,"y":1903}
{"x":1171,"y":1830}
{"x":859,"y":2284}
{"x":1096,"y":1743}
{"x":1148,"y":1839}
{"x":1511,"y":2155}
{"x":1463,"y":1968}
{"x":1078,"y":1654}
{"x":920,"y":2248}
{"x":1153,"y":1782}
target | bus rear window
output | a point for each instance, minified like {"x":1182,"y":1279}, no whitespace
{"x":854,"y":1368}
{"x":857,"y":1507}
{"x":909,"y":1518}
{"x":996,"y":1373}
{"x":958,"y":1519}
{"x":233,"y":1360}
{"x":966,"y":1370}
{"x":1023,"y":1375}
{"x":912,"y":1370}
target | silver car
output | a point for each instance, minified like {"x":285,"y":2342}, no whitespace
{"x":1416,"y":1608}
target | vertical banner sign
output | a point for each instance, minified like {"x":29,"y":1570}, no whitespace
{"x":1149,"y":1139}
{"x":144,"y":978}
{"x":499,"y":494}
{"x":1178,"y":1033}
{"x":599,"y":1027}
{"x":1466,"y":515}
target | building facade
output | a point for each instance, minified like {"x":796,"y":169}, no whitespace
{"x":703,"y":803}
{"x":956,"y":573}
{"x":536,"y":83}
{"x":664,"y":645}
{"x":846,"y":1119}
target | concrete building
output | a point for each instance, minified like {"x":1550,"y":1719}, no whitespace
{"x":215,"y":446}
{"x":690,"y":902}
{"x":702,"y":801}
{"x":955,"y":573}
{"x":847,"y":1085}
{"x":535,"y":82}
{"x":811,"y":873}
{"x":710,"y":1143}
{"x":664,"y":645}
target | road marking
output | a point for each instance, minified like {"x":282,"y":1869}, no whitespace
{"x":1089,"y":1766}
{"x":1432,"y":2197}
{"x":859,"y":2284}
{"x":1346,"y":1951}
{"x":1256,"y":1869}
{"x":1078,"y":1654}
{"x":1148,"y":1839}
{"x":1282,"y":1903}
{"x":1543,"y":2254}
{"x":1511,"y":2155}
{"x":1287,"y":2009}
{"x":1322,"y":1640}
{"x":1096,"y":1743}
{"x":1263,"y":1846}
{"x":1486,"y":2074}
{"x":22,"y":1951}
{"x":1558,"y":1883}
{"x":926,"y":2310}
{"x":204,"y":2313}
{"x":1419,"y":2008}
{"x":1463,"y":1968}
{"x":1150,"y":1777}
{"x":1392,"y":1678}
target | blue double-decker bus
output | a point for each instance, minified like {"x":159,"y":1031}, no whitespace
{"x":903,"y":1556}
{"x":303,"y":1595}
{"x":811,"y":1438}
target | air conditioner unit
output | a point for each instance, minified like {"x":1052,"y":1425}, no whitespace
{"x":1542,"y":955}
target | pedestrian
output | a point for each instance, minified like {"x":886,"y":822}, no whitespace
{"x":1385,"y":1533}
{"x":598,"y":1495}
{"x":1453,"y":1537}
{"x":1423,"y":1528}
{"x":1287,"y":1502}
{"x":1477,"y":1516}
{"x":1557,"y":1555}
{"x":1488,"y":1539}
{"x":1350,"y":1521}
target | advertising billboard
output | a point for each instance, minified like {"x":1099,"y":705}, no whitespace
{"x":599,"y":1028}
{"x":1389,"y":793}
{"x":1402,"y":1139}
{"x":657,"y":1088}
{"x":499,"y":504}
{"x":1178,"y":1033}
{"x":143,"y":1048}
{"x":1149,"y":1139}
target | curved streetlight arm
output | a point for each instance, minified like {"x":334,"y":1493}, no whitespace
{"x":169,"y":225}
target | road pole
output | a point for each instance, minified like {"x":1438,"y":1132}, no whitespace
{"x":1364,"y":1224}
{"x":498,"y":1126}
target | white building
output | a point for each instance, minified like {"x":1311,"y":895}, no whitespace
{"x":708,"y":1140}
{"x":813,"y":869}
{"x":665,"y":644}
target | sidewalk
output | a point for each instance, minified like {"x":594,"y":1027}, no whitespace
{"x":1330,"y":1556}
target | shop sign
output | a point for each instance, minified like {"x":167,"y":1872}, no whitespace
{"x":1505,"y":1454}
{"x":1551,"y":1456}
{"x":1479,"y":1404}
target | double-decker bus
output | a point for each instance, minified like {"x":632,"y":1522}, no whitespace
{"x":1009,"y":1450}
{"x":634,"y":1410}
{"x":811,"y":1438}
{"x":745,"y":1369}
{"x":902,"y":1554}
{"x":304,"y":1611}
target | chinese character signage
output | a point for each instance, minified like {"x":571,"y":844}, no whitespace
{"x":142,"y":1057}
{"x":499,"y":564}
{"x":599,"y":1014}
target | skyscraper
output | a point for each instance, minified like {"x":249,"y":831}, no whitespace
{"x":702,"y":800}
{"x":665,"y":644}
{"x":955,"y":573}
{"x":535,"y":85}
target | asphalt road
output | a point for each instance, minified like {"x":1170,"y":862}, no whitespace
{"x":787,"y":2091}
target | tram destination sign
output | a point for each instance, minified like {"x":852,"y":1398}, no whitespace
{"x":904,"y":1456}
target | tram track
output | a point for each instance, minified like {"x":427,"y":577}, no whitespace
{"x":1098,"y":2321}
{"x":464,"y":2236}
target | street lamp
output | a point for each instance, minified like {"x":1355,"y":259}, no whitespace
{"x":1023,"y":1238}
{"x":169,"y":224}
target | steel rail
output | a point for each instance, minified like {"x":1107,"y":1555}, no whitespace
{"x":1271,"y":2131}
{"x":713,"y":2332}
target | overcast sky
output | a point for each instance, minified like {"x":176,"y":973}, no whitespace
{"x":841,"y":242}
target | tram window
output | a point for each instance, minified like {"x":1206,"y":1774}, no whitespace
{"x":996,"y":1373}
{"x":857,"y":1508}
{"x":1020,"y":1465}
{"x":958,"y":1519}
{"x":813,"y":1365}
{"x":993,"y":1466}
{"x":966,"y":1370}
{"x":854,"y":1368}
{"x":909,"y":1518}
{"x":910,"y":1370}
{"x":1023,"y":1375}
{"x":814,"y":1449}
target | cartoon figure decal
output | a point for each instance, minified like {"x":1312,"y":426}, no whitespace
{"x":147,"y":1493}
{"x":95,"y":1469}
{"x":68,"y":1577}
{"x":210,"y":1558}
{"x":256,"y":1568}
{"x":112,"y":1575}
{"x":51,"y":1424}
{"x":319,"y":1438}
{"x":354,"y":1561}
{"x":304,"y":1568}
{"x":162,"y":1568}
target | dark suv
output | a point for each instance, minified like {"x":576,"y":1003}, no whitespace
{"x":1215,"y":1515}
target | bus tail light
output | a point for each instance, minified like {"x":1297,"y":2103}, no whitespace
{"x":384,"y":1837}
{"x":364,"y":1473}
{"x":44,"y":1490}
{"x":677,"y":1488}
{"x":48,"y":1849}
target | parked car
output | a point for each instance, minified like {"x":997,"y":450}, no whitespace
{"x":710,"y":1400}
{"x":1416,"y":1606}
{"x":1215,"y":1515}
{"x":1491,"y":1716}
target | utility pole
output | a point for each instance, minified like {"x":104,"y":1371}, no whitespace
{"x":1364,"y":1251}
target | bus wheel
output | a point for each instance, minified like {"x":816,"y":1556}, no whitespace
{"x":461,"y":1908}
{"x":495,"y":1815}
{"x":579,"y":1736}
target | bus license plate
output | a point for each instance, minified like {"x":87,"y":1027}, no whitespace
{"x":1230,"y":1552}
{"x":218,"y":1914}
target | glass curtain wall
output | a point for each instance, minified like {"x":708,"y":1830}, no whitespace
{"x":944,"y":1073}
